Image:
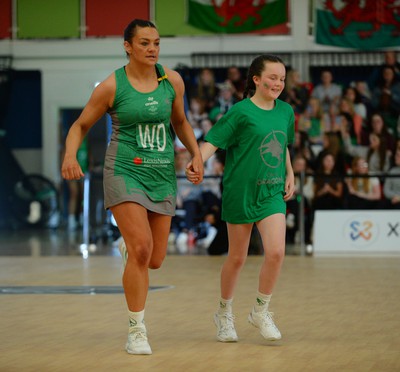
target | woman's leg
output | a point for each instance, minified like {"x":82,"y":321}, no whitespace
{"x":160,"y":226}
{"x":146,"y":238}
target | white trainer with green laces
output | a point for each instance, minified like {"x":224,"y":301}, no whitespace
{"x":137,"y":342}
{"x":264,"y":322}
{"x":225,"y":323}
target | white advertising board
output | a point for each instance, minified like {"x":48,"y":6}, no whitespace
{"x":357,"y":232}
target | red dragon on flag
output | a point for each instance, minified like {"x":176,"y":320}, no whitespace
{"x":237,"y":16}
{"x":244,"y":9}
{"x":360,"y":24}
{"x":376,"y":13}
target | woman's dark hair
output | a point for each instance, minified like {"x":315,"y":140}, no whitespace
{"x":130,"y":30}
{"x":256,"y":68}
{"x":381,"y":152}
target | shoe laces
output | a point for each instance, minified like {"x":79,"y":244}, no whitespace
{"x":138,"y":335}
{"x":267,"y":317}
{"x":226,"y":321}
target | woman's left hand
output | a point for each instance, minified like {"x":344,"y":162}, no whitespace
{"x":289,"y":187}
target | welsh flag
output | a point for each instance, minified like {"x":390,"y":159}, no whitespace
{"x":358,"y":24}
{"x":236,"y":16}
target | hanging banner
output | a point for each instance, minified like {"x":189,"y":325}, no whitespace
{"x":236,"y":16}
{"x":358,"y":24}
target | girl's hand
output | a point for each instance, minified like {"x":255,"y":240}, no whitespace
{"x":193,"y":176}
{"x":289,"y":187}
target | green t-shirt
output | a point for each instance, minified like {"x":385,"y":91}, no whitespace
{"x":255,"y":167}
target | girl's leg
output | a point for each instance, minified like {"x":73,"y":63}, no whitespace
{"x":239,"y":238}
{"x":272,"y":231}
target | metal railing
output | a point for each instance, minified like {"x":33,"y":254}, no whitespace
{"x":86,"y":226}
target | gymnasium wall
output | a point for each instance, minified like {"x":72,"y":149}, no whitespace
{"x":70,"y":60}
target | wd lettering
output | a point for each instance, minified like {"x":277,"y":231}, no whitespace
{"x":152,"y":136}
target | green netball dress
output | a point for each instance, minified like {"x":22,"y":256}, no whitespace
{"x":139,"y":162}
{"x":255,"y":167}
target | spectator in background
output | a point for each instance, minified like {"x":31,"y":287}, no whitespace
{"x":302,"y":147}
{"x":224,"y":101}
{"x":211,"y":223}
{"x":188,"y":201}
{"x":377,"y":153}
{"x":196,"y":112}
{"x":386,"y":98}
{"x":391,"y":187}
{"x":314,"y":121}
{"x":377,"y":125}
{"x":296,"y":93}
{"x":357,"y":123}
{"x":354,"y":96}
{"x":234,"y":78}
{"x":205,"y":88}
{"x":344,"y":121}
{"x":219,"y":245}
{"x":293,"y":204}
{"x":364,"y":92}
{"x":327,"y":91}
{"x":363,"y":192}
{"x":205,"y":125}
{"x":332,"y":145}
{"x":389,"y":60}
{"x":328,"y":185}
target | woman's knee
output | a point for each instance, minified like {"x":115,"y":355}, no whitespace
{"x":155,"y":263}
{"x":140,"y":252}
{"x":157,"y":257}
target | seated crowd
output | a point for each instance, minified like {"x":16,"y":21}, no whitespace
{"x":347,"y":148}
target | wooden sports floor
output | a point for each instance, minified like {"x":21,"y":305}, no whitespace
{"x":61,"y":312}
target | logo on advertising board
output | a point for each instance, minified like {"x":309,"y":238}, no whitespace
{"x":361,"y":230}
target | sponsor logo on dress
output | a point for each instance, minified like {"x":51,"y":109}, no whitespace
{"x":149,"y":162}
{"x":151,"y":105}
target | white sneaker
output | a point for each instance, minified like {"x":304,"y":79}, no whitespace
{"x":264,"y":322}
{"x":225,"y":327}
{"x":123,"y":251}
{"x":137,"y":342}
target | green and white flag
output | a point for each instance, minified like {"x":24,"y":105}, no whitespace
{"x":236,"y":16}
{"x":358,"y":24}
